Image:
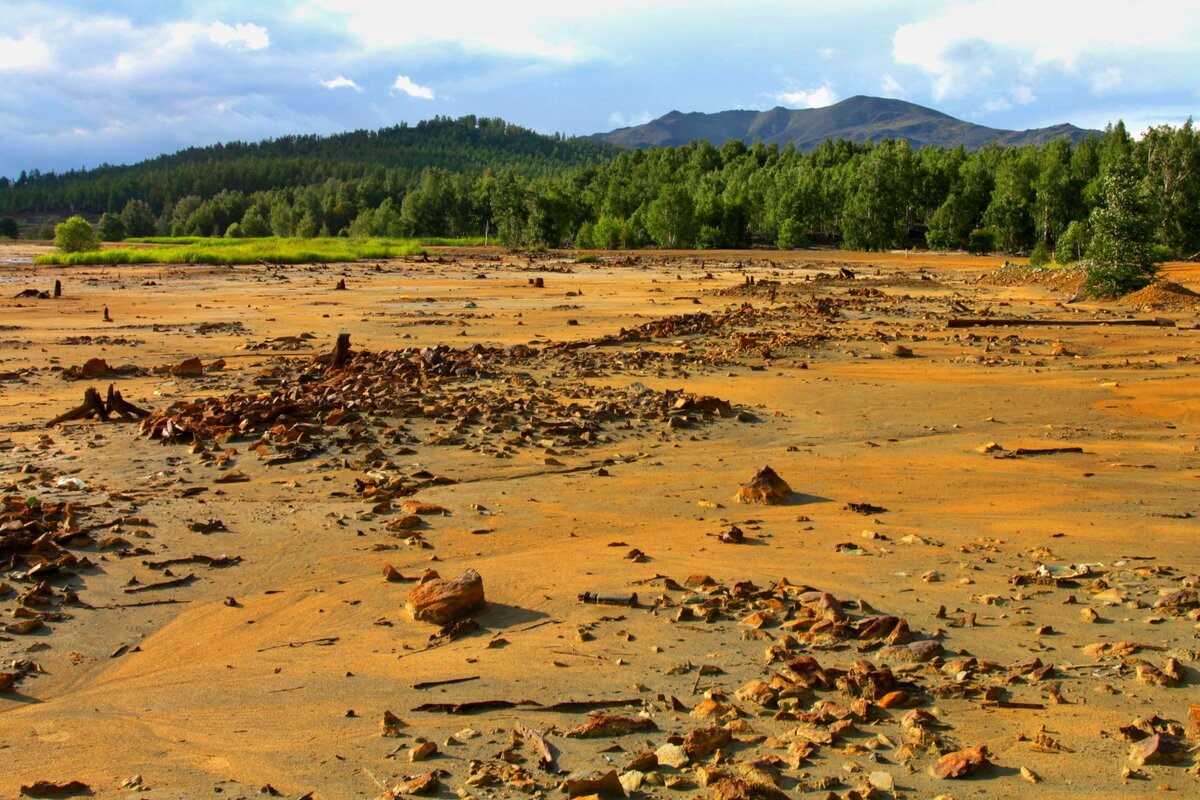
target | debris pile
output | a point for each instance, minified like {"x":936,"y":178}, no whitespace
{"x":1163,"y":296}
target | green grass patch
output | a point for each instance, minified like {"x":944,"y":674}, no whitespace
{"x":271,"y":250}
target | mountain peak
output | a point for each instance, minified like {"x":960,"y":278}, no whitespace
{"x":858,"y":119}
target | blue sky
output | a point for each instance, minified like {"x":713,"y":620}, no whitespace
{"x":82,"y":83}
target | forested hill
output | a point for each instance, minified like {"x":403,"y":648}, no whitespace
{"x":857,"y":119}
{"x":393,"y":156}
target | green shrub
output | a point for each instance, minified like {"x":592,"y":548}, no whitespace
{"x":791,"y":235}
{"x":1040,"y":256}
{"x":9,"y":229}
{"x":586,"y":258}
{"x":75,"y":235}
{"x":981,"y":241}
{"x":1160,"y":253}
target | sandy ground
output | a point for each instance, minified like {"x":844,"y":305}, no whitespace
{"x":283,"y":688}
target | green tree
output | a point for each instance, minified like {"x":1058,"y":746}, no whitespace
{"x":1122,"y":232}
{"x":75,"y":235}
{"x":111,"y":227}
{"x":1072,"y":246}
{"x":670,"y":219}
{"x":791,"y":235}
{"x":138,"y":218}
{"x":8,"y":228}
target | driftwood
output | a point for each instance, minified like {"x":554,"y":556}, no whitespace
{"x":94,"y":406}
{"x":996,"y":322}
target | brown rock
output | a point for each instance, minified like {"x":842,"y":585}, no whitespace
{"x":915,"y":652}
{"x":95,"y":368}
{"x":738,"y":789}
{"x":188,"y":368}
{"x":440,"y":601}
{"x":605,"y":785}
{"x":423,"y":751}
{"x":960,"y":763}
{"x":8,"y":681}
{"x":765,"y":487}
{"x":600,"y":725}
{"x":1161,"y":748}
{"x":420,"y":785}
{"x":703,"y":742}
{"x":424,"y":509}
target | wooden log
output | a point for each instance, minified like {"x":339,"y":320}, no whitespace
{"x":1024,"y":322}
{"x":58,"y":288}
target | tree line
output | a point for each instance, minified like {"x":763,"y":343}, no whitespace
{"x":524,"y":189}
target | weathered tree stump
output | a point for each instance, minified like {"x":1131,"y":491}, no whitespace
{"x":92,"y":406}
{"x":341,"y":350}
{"x":58,"y":288}
{"x":122,"y":407}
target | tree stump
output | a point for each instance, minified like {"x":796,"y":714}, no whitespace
{"x":341,"y":350}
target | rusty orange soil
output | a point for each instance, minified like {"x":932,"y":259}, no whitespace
{"x":201,"y":696}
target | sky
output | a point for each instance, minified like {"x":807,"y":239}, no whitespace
{"x":86,"y":82}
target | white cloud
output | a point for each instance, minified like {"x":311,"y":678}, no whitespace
{"x":1107,"y":80}
{"x":891,"y":87}
{"x":997,"y":104}
{"x":406,"y":85}
{"x":26,"y":53}
{"x":1022,"y":95}
{"x":959,"y":44}
{"x":827,"y":53}
{"x":823,"y":95}
{"x":619,"y":120}
{"x":242,"y":35}
{"x":340,"y":82}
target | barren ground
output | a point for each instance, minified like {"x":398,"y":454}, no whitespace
{"x":276,"y":671}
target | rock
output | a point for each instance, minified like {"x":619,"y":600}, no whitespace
{"x":423,"y":751}
{"x":8,"y":681}
{"x":765,"y":487}
{"x":391,"y":725}
{"x":916,"y":652}
{"x":601,"y":725}
{"x":672,"y":755}
{"x":960,"y":763}
{"x":441,"y":601}
{"x":420,"y":785}
{"x":604,"y":785}
{"x":883,"y":781}
{"x":215,"y":366}
{"x":758,"y":692}
{"x":424,"y":509}
{"x":898,"y":350}
{"x":738,"y":789}
{"x":188,"y":368}
{"x":1193,"y":722}
{"x":1161,"y":748}
{"x":95,"y":368}
{"x":632,"y":780}
{"x":703,"y":742}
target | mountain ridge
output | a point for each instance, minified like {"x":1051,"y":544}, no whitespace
{"x":856,"y":119}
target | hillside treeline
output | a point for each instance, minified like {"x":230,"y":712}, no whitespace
{"x":862,"y":196}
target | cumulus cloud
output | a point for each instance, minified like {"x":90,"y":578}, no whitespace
{"x":1107,"y":80}
{"x":26,"y":53}
{"x":960,"y":44}
{"x":340,"y":82}
{"x":891,"y":87}
{"x":819,"y":97}
{"x":619,"y":120}
{"x":406,"y":85}
{"x":1022,"y":95}
{"x":242,"y":35}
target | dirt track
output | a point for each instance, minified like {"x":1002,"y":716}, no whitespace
{"x":201,"y":695}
